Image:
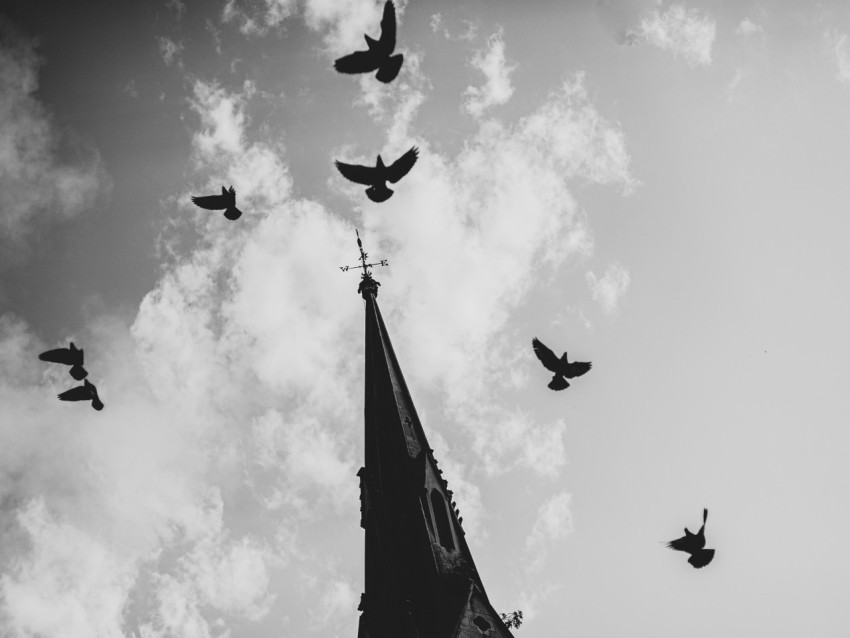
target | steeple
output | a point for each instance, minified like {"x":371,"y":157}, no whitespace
{"x":421,"y":580}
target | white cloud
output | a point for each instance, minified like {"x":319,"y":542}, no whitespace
{"x":257,"y":17}
{"x":840,"y":49}
{"x":35,"y":185}
{"x":502,"y":214}
{"x":497,"y":88}
{"x":610,"y":288}
{"x":748,"y":27}
{"x":682,"y":31}
{"x":170,"y":50}
{"x":554,"y":522}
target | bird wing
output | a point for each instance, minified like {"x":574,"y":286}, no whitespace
{"x":80,"y":393}
{"x":211,"y":202}
{"x":59,"y":355}
{"x":387,"y":40}
{"x":701,"y":558}
{"x":357,"y":173}
{"x":684,"y":544}
{"x":577,"y":368}
{"x":402,"y":165}
{"x":546,"y":356}
{"x":357,"y":62}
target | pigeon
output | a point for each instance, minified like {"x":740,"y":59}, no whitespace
{"x":84,"y":392}
{"x":379,"y":55}
{"x":562,"y":368}
{"x":226,"y":202}
{"x":71,"y":356}
{"x":694,"y":545}
{"x":377,"y":177}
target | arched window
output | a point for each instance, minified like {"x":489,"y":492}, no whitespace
{"x":426,"y":510}
{"x":441,"y":516}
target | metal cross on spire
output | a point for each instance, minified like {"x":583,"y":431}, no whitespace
{"x":366,"y":276}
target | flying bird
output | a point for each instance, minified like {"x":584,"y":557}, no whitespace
{"x":694,"y":545}
{"x":71,"y":356}
{"x":379,"y":55}
{"x":84,"y":392}
{"x":562,"y":368}
{"x":226,"y":202}
{"x":376,"y":177}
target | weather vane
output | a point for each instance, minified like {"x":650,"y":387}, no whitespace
{"x":363,"y":256}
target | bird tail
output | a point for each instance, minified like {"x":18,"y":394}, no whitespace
{"x":379,"y":195}
{"x":701,"y":558}
{"x":389,"y":69}
{"x":232,"y":213}
{"x":559,"y":383}
{"x":78,"y":372}
{"x":96,"y":403}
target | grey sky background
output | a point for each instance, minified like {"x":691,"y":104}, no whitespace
{"x":657,"y":187}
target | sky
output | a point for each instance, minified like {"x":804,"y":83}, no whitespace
{"x":656,"y":187}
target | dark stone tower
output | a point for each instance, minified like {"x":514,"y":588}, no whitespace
{"x":421,"y":581}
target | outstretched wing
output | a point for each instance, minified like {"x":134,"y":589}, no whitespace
{"x":80,"y":393}
{"x":59,"y":355}
{"x":357,"y":173}
{"x":402,"y":165}
{"x":577,"y":368}
{"x":701,"y":558}
{"x":684,"y":544}
{"x":546,"y":356}
{"x":357,"y":62}
{"x":387,"y":40}
{"x":211,"y":202}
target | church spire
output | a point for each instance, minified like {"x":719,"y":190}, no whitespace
{"x":421,"y":580}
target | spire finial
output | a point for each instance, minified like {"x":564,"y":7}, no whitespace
{"x":366,"y":281}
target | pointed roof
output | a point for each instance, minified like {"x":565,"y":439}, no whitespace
{"x":421,"y":579}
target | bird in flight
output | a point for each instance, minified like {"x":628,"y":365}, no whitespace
{"x":71,"y":356}
{"x":379,"y":55}
{"x":226,"y":202}
{"x":694,"y":545}
{"x":84,"y":392}
{"x":562,"y":368}
{"x":376,"y":177}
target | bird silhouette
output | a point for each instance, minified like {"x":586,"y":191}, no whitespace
{"x":376,"y":177}
{"x":71,"y":356}
{"x":379,"y":55}
{"x":562,"y":368}
{"x":84,"y":392}
{"x":694,"y":545}
{"x":226,"y":202}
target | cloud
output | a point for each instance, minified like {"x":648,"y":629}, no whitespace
{"x":170,"y":50}
{"x":36,"y":186}
{"x":839,"y":47}
{"x":502,"y":213}
{"x":257,"y":17}
{"x":243,"y":346}
{"x":497,"y":88}
{"x":748,"y":27}
{"x":554,"y":522}
{"x":610,"y":288}
{"x":682,"y":31}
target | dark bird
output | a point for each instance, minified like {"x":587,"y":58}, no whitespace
{"x":376,"y":177}
{"x":84,"y":392}
{"x":226,"y":202}
{"x":379,"y":55}
{"x":562,"y":368}
{"x":71,"y":356}
{"x":694,"y":545}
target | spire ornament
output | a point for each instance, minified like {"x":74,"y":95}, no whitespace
{"x":367,"y":283}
